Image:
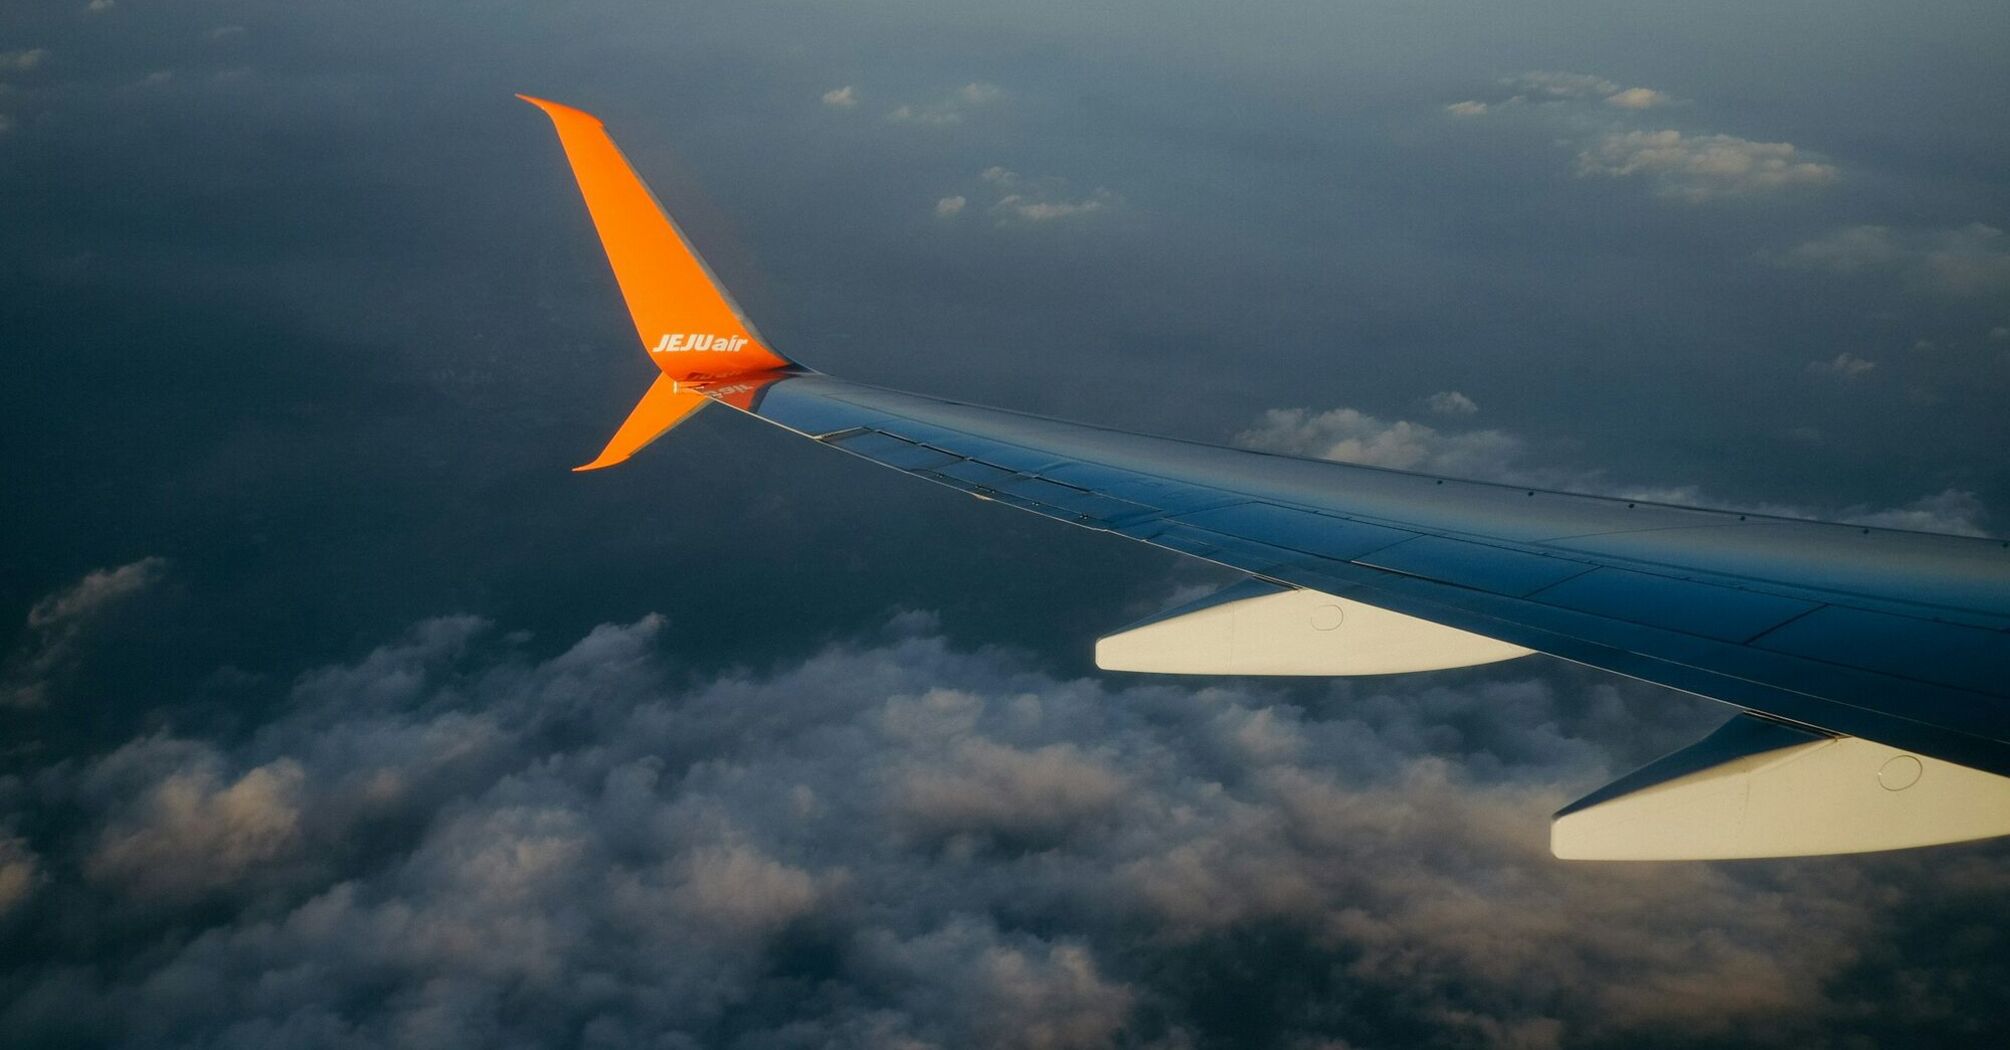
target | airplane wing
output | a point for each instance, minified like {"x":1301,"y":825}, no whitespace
{"x":1870,"y":667}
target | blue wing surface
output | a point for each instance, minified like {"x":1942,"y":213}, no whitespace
{"x":1896,"y":636}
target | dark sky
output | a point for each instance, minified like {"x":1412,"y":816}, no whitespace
{"x":336,"y":711}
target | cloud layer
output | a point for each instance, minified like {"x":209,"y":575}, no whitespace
{"x":896,"y":842}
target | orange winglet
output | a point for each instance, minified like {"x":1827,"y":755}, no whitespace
{"x":664,"y":406}
{"x":686,"y":320}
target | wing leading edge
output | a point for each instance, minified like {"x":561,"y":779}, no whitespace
{"x":1842,"y":631}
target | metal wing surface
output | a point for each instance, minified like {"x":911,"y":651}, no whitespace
{"x":1901,"y":637}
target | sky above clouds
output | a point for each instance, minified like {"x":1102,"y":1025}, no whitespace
{"x":337,"y":711}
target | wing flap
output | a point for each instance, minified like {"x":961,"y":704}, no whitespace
{"x":1756,"y":788}
{"x":1258,"y":628}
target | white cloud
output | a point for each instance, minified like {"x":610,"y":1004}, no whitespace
{"x":1999,"y":334}
{"x":1560,"y":85}
{"x":979,"y":94}
{"x":98,"y":7}
{"x":1034,"y":209}
{"x":6,"y":123}
{"x":951,"y":109}
{"x":192,"y":832}
{"x":22,"y":61}
{"x":1021,"y":199}
{"x":1554,"y":87}
{"x":20,"y":872}
{"x":1971,"y":260}
{"x":980,"y":791}
{"x":948,"y":206}
{"x":1694,"y":167}
{"x":1845,"y":251}
{"x":1638,"y":98}
{"x":1844,"y":365}
{"x":901,"y":843}
{"x":1451,"y":403}
{"x":1014,"y":991}
{"x":841,"y":97}
{"x":737,"y":886}
{"x":57,"y":625}
{"x":98,"y":590}
{"x":1703,"y":167}
{"x":1349,"y":436}
{"x":1955,"y":512}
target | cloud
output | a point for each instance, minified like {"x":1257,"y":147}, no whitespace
{"x":980,"y":791}
{"x":1956,"y":512}
{"x":23,"y":61}
{"x":1638,"y":98}
{"x":1451,"y":403}
{"x":20,"y":872}
{"x":896,"y":842}
{"x":1692,"y":167}
{"x":1350,"y":436}
{"x":950,"y":109}
{"x":1015,"y":991}
{"x":979,"y":94}
{"x":98,"y":7}
{"x":1034,"y":209}
{"x":1554,"y":86}
{"x":97,"y":591}
{"x":58,"y":624}
{"x":1844,"y":366}
{"x":1999,"y":334}
{"x":1845,"y":251}
{"x":1972,"y":260}
{"x":192,"y":833}
{"x":1551,"y":84}
{"x":1703,"y":167}
{"x":841,"y":97}
{"x":1018,"y":199}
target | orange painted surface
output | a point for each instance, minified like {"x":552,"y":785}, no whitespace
{"x":686,"y":321}
{"x":664,"y":406}
{"x":740,"y":391}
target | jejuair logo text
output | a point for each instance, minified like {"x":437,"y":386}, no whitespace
{"x":697,"y":342}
